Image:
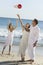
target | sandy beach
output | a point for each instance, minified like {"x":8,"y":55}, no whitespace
{"x":6,"y":59}
{"x":14,"y":57}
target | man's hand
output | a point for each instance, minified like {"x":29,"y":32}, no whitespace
{"x":34,"y":45}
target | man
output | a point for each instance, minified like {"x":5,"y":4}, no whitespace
{"x":33,"y":38}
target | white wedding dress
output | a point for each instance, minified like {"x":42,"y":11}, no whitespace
{"x":24,"y":42}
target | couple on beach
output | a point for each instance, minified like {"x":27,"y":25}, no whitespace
{"x":29,"y":39}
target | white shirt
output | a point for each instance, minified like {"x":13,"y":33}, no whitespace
{"x":34,"y":34}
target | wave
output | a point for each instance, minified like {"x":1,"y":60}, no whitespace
{"x":4,"y":33}
{"x":17,"y":33}
{"x":17,"y":36}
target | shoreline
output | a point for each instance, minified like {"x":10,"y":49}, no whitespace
{"x":38,"y":44}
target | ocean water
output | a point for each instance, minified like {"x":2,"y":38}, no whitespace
{"x":18,"y":34}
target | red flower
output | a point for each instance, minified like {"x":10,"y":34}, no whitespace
{"x":19,"y":6}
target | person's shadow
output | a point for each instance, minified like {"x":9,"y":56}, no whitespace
{"x":17,"y":62}
{"x":14,"y":63}
{"x":9,"y":63}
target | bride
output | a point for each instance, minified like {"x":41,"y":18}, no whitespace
{"x":24,"y":40}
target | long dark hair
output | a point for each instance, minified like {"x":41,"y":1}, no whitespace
{"x":28,"y":24}
{"x":9,"y":25}
{"x":28,"y":27}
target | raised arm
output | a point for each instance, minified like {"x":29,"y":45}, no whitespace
{"x":9,"y":23}
{"x":16,"y":24}
{"x":21,"y":21}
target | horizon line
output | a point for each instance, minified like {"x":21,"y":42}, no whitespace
{"x":21,"y":18}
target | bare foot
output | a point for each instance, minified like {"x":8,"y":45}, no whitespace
{"x":30,"y":60}
{"x":2,"y":52}
{"x":8,"y":54}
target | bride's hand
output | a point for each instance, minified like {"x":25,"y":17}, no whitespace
{"x":18,"y":15}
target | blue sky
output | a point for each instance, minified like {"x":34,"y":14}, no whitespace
{"x":30,"y":9}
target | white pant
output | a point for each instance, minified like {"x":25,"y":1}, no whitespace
{"x":31,"y":50}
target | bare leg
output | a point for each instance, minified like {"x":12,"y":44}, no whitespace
{"x":9,"y":49}
{"x":3,"y":49}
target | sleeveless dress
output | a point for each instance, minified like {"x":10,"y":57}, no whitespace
{"x":24,"y":43}
{"x":9,"y":39}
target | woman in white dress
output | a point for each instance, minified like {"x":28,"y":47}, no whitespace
{"x":9,"y":39}
{"x":24,"y":40}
